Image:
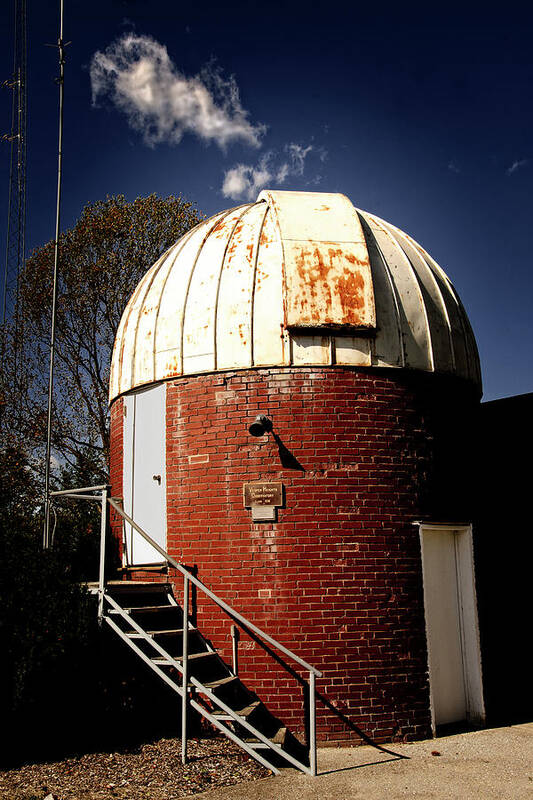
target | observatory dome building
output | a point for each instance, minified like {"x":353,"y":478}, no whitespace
{"x":340,"y":523}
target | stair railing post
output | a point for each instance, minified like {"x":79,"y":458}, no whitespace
{"x":101,"y":574}
{"x":235,"y":648}
{"x":312,"y":723}
{"x":185,"y":664}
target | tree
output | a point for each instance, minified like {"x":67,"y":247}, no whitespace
{"x":101,"y":261}
{"x":65,"y":684}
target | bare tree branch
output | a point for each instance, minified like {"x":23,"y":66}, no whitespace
{"x":102,"y":260}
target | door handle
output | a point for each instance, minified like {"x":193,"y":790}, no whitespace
{"x":157,"y":478}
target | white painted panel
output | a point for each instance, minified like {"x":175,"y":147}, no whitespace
{"x":114,"y":384}
{"x":411,"y":310}
{"x":443,"y":626}
{"x":199,"y":321}
{"x":127,"y":342}
{"x":199,"y":362}
{"x":387,"y":347}
{"x":438,"y":323}
{"x":146,"y":326}
{"x":144,"y":458}
{"x":311,"y":349}
{"x":470,"y":630}
{"x":320,"y":216}
{"x":168,"y":356}
{"x":456,"y":316}
{"x":132,"y":360}
{"x":270,"y":340}
{"x":452,"y":624}
{"x":127,"y":470}
{"x":352,"y":350}
{"x":234,"y":311}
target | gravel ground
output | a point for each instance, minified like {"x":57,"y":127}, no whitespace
{"x":150,"y":772}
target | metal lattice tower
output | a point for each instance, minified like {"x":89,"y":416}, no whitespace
{"x":16,"y":214}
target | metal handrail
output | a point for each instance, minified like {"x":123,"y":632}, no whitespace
{"x":199,"y":686}
{"x":221,"y":603}
{"x":188,"y":577}
{"x":73,"y":492}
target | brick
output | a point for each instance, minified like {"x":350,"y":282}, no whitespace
{"x":337,"y":578}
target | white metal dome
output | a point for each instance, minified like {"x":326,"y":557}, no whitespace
{"x":296,"y":278}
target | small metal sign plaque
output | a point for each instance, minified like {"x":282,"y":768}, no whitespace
{"x":261,"y":493}
{"x":264,"y":513}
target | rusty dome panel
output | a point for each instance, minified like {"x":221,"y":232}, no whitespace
{"x":327,"y":277}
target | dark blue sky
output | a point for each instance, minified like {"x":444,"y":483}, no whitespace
{"x":421,"y":115}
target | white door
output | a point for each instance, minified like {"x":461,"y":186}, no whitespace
{"x":144,"y":473}
{"x":451,"y":624}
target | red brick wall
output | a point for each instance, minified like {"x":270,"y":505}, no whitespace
{"x":337,"y":578}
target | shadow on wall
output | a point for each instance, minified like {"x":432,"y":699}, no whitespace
{"x":503,"y":544}
{"x":287,"y":459}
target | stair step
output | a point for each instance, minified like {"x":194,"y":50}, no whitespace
{"x":170,"y":631}
{"x":278,"y":738}
{"x":148,"y":602}
{"x":152,"y":617}
{"x":192,"y":657}
{"x":241,"y":712}
{"x":138,"y":586}
{"x":131,"y":587}
{"x":161,"y":633}
{"x":221,"y":682}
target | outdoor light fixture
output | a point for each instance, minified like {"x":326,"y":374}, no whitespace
{"x":261,"y":424}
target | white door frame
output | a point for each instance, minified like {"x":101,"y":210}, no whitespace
{"x":468,"y":618}
{"x":134,"y":504}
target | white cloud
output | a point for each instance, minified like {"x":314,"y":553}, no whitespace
{"x":516,"y":165}
{"x":282,"y":173}
{"x":136,"y":73}
{"x":297,"y":155}
{"x":452,"y":166}
{"x":245,"y":181}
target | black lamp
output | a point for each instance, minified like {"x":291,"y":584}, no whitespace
{"x":261,"y":425}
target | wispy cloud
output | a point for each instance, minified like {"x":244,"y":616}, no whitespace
{"x":244,"y":181}
{"x":136,"y":73}
{"x":297,"y":155}
{"x":452,"y":166}
{"x":516,"y":165}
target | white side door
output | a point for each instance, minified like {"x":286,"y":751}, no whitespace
{"x":454,"y":657}
{"x":144,"y":472}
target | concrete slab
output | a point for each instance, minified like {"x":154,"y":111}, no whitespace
{"x":489,"y":764}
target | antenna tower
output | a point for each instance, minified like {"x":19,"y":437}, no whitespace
{"x":16,"y":213}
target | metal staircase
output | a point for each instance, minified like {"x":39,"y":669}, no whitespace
{"x":148,"y":618}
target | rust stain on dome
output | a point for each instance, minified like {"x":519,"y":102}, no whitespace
{"x":350,"y":288}
{"x":298,"y":263}
{"x":330,"y":286}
